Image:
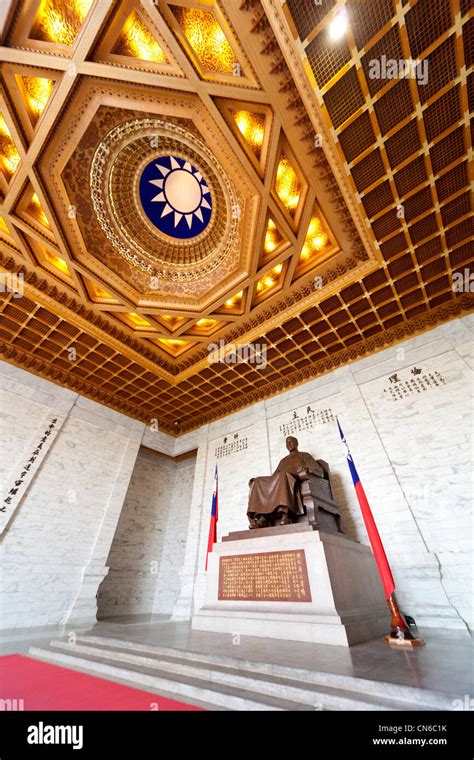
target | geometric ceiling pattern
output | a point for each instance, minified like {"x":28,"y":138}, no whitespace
{"x":182,"y":179}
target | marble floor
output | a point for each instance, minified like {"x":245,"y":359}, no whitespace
{"x":445,"y":664}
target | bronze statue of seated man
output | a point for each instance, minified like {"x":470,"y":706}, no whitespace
{"x":275,"y":499}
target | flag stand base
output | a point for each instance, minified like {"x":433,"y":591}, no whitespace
{"x":403,"y":643}
{"x":400,"y":635}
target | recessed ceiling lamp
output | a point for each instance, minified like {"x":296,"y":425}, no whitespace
{"x":206,"y":323}
{"x":235,"y":299}
{"x":287,"y":184}
{"x":3,"y":226}
{"x":38,"y":92}
{"x":56,"y":261}
{"x":338,"y":26}
{"x":8,"y":152}
{"x":138,"y":320}
{"x":37,"y":209}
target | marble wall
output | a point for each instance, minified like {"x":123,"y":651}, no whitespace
{"x":407,"y":416}
{"x":55,"y":546}
{"x":148,"y":548}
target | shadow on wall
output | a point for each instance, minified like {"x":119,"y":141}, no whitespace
{"x":340,"y":494}
{"x":148,"y":548}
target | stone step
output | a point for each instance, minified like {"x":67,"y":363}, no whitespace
{"x":161,"y":682}
{"x":229,"y":682}
{"x":307,"y":695}
{"x":406,"y":697}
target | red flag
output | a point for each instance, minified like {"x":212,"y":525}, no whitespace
{"x":374,"y":538}
{"x":214,"y":517}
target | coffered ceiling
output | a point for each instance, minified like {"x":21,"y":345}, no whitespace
{"x":181,"y":177}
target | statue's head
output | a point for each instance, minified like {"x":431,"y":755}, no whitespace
{"x":291,"y":443}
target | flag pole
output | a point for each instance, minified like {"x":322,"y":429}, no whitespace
{"x":400,"y":634}
{"x":212,"y":539}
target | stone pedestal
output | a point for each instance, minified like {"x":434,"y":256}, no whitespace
{"x":294,"y":584}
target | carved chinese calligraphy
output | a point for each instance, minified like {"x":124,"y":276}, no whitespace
{"x":400,"y":386}
{"x":307,"y":421}
{"x":230,"y":447}
{"x":267,"y":576}
{"x":17,"y":488}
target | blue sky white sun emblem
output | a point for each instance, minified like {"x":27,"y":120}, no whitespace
{"x":175,"y":197}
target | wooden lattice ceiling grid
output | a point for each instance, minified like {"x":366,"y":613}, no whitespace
{"x":328,"y":269}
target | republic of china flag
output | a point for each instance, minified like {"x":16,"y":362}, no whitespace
{"x":214,"y":517}
{"x":374,"y":538}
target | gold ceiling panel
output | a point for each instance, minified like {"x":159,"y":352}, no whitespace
{"x":207,"y":39}
{"x":59,"y":22}
{"x":289,"y":184}
{"x":99,"y":294}
{"x":4,"y":227}
{"x":252,"y":126}
{"x":210,"y":43}
{"x":31,"y":214}
{"x":269,"y":283}
{"x":31,"y":89}
{"x":137,"y":321}
{"x":35,"y":209}
{"x":51,"y":260}
{"x":136,"y":40}
{"x":307,"y":159}
{"x":37,"y":92}
{"x":133,"y":39}
{"x":174,"y":346}
{"x":9,"y":156}
{"x":274,"y":243}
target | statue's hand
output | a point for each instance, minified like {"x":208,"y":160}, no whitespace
{"x":303,"y":473}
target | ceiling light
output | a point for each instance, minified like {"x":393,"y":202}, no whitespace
{"x":235,"y":299}
{"x":38,"y":210}
{"x":38,"y":92}
{"x":99,"y":292}
{"x":56,"y":261}
{"x":139,"y":42}
{"x":269,"y":279}
{"x":206,"y":323}
{"x":8,"y":152}
{"x":174,"y":345}
{"x":169,"y":318}
{"x":316,"y":239}
{"x":251,"y":126}
{"x":138,"y":320}
{"x":338,"y":26}
{"x":60,"y":22}
{"x":272,"y":237}
{"x":207,"y":39}
{"x":287,"y":184}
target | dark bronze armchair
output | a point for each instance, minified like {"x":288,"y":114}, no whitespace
{"x":321,"y":511}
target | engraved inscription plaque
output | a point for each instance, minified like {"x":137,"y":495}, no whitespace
{"x":264,"y":577}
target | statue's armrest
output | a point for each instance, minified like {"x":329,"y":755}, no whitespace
{"x":317,"y":498}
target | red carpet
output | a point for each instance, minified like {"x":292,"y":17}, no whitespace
{"x":48,"y":687}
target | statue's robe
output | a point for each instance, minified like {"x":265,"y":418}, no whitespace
{"x":271,"y":492}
